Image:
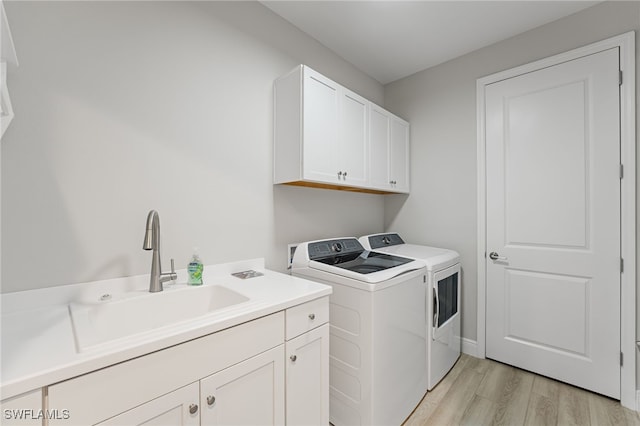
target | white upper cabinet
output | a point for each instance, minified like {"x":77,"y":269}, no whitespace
{"x":322,"y":136}
{"x":389,"y":151}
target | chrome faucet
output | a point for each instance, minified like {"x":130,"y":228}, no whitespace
{"x":152,"y":242}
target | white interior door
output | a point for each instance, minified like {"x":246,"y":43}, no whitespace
{"x":553,"y":222}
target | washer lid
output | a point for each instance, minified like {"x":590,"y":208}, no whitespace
{"x":435,"y":258}
{"x":391,"y":243}
{"x":365,"y":262}
{"x":346,"y":257}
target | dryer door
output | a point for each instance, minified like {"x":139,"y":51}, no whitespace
{"x":445,"y":342}
{"x":446,"y":303}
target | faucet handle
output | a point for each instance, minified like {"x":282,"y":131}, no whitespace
{"x":169,"y":276}
{"x":172,"y":275}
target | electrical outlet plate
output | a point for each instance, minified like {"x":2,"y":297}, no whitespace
{"x":291,"y":249}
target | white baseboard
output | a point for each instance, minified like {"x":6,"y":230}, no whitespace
{"x":638,"y":401}
{"x":469,"y":347}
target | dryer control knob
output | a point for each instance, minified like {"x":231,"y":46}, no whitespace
{"x":337,"y":247}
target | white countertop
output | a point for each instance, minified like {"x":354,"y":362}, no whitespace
{"x":38,"y":346}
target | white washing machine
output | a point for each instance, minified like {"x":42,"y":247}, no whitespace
{"x":443,"y":301}
{"x":377,"y":335}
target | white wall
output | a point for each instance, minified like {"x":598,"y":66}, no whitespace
{"x":440,"y":103}
{"x":124,"y":107}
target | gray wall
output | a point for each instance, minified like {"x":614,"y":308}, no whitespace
{"x":440,"y":103}
{"x":123,"y":107}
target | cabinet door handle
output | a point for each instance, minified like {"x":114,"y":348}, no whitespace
{"x":211,"y":399}
{"x":293,"y":358}
{"x":312,"y":316}
{"x":193,"y":408}
{"x":344,"y":175}
{"x":339,"y":175}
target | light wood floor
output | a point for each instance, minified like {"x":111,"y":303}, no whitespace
{"x":484,"y":392}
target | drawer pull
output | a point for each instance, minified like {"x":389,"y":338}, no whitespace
{"x":312,"y":316}
{"x":211,"y":399}
{"x":293,"y":358}
{"x":193,"y":408}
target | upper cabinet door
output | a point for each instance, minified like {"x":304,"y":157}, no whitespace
{"x":353,"y":139}
{"x":320,"y":127}
{"x":389,"y":151}
{"x":399,"y":159}
{"x":379,"y":124}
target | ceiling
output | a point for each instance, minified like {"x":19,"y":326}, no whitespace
{"x":390,"y":40}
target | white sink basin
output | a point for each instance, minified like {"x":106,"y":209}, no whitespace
{"x":134,"y":313}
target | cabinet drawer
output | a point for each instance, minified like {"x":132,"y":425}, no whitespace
{"x":302,"y":318}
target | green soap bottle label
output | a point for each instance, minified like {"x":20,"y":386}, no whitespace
{"x":195,"y":273}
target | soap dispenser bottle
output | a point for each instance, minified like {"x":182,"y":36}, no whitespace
{"x":195,"y":269}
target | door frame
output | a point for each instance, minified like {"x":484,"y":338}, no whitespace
{"x":626,"y":43}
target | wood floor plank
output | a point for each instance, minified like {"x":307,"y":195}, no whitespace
{"x":511,"y":408}
{"x":541,"y":411}
{"x":495,"y":380}
{"x":480,"y":412}
{"x":435,"y":395}
{"x":632,"y":417}
{"x":421,"y":414}
{"x":458,"y":397}
{"x":546,"y":387}
{"x":604,"y":411}
{"x":478,"y":365}
{"x":573,"y":407}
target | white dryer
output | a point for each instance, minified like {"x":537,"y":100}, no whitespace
{"x":377,"y":373}
{"x":443,"y":298}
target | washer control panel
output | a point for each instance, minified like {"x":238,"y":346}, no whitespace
{"x":327,"y":248}
{"x":384,"y":240}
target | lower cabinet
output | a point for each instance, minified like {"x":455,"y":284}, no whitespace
{"x":307,"y":376}
{"x":175,"y":408}
{"x":270,"y":371}
{"x":158,"y":386}
{"x":23,"y":410}
{"x":248,"y":393}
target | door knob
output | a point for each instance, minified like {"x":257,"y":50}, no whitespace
{"x":495,"y":256}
